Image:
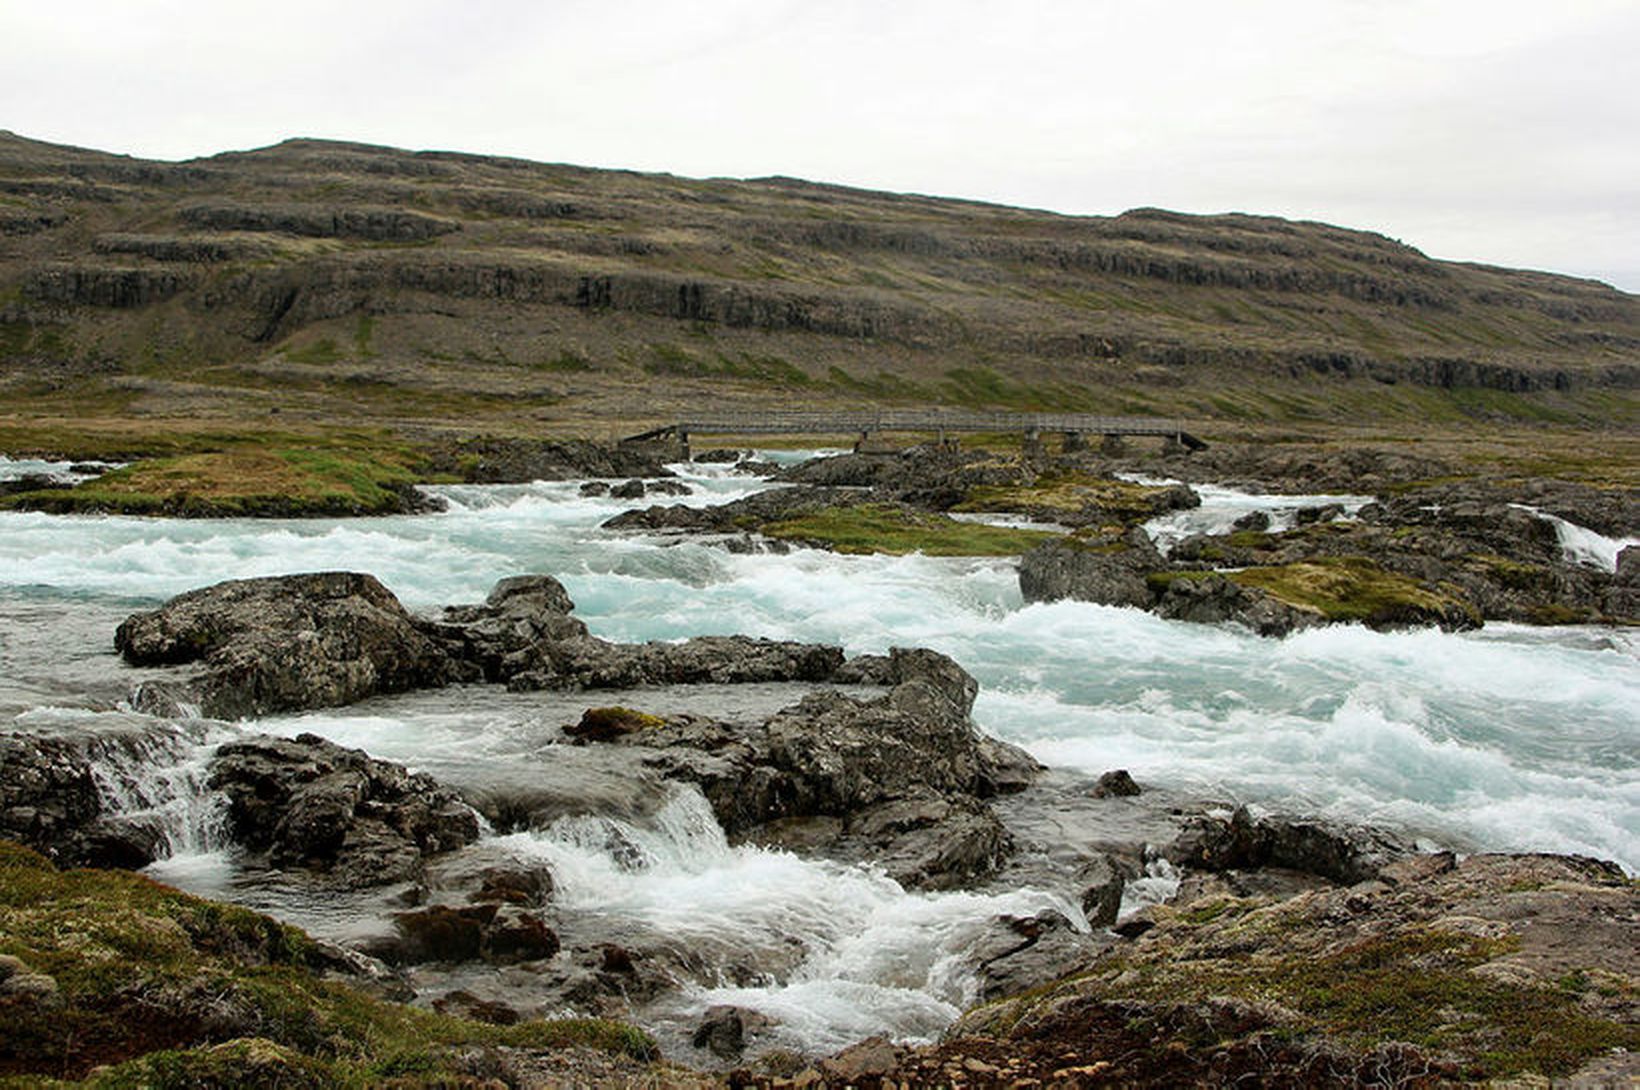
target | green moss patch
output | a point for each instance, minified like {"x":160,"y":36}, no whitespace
{"x":883,"y":528}
{"x":1353,"y":588}
{"x":174,"y":990}
{"x":1412,"y":987}
{"x":1068,"y":494}
{"x":314,"y":478}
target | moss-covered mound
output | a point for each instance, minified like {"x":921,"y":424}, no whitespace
{"x":109,"y":977}
{"x":1355,"y":588}
{"x":1080,"y":499}
{"x":897,"y":530}
{"x":279,"y":479}
{"x":1443,"y":972}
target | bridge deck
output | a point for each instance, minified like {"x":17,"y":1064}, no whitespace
{"x":917,"y":420}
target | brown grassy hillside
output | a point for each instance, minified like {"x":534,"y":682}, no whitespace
{"x":331,"y":281}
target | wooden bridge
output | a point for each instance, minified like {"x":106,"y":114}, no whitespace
{"x":1075,"y":427}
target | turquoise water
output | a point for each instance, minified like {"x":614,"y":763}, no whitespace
{"x":1506,"y":738}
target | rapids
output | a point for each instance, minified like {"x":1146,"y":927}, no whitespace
{"x":1505,"y":738}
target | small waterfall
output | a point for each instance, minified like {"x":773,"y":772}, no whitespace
{"x":148,"y":773}
{"x":1157,"y":885}
{"x":1585,"y":546}
{"x":830,"y":951}
{"x":161,"y":783}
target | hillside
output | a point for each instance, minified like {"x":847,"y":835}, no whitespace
{"x":331,"y":281}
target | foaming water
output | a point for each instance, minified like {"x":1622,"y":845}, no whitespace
{"x":1585,"y":546}
{"x":150,"y":773}
{"x":489,"y":532}
{"x":1221,"y":507}
{"x":829,"y":952}
{"x":1505,"y":738}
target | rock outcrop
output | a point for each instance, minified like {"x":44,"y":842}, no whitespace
{"x":309,"y":803}
{"x":901,"y":779}
{"x":287,"y":642}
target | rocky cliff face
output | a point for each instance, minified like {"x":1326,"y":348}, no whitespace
{"x":333,"y":262}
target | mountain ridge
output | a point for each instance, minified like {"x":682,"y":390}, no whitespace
{"x":315,"y":274}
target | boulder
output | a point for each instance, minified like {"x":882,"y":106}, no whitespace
{"x":1216,"y":599}
{"x":1017,"y":953}
{"x":287,"y":642}
{"x":842,"y":754}
{"x":310,"y":803}
{"x":723,"y":1030}
{"x":628,"y":490}
{"x":495,"y":934}
{"x":1341,"y":855}
{"x":928,"y":842}
{"x":1623,"y":597}
{"x":1116,"y":784}
{"x":1102,"y":880}
{"x":1111,"y":573}
{"x":899,"y":780}
{"x":508,"y":632}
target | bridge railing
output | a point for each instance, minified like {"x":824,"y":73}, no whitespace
{"x":903,"y":420}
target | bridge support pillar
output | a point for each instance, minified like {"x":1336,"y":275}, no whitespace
{"x":1074,"y":443}
{"x":1174,"y":445}
{"x":1032,"y":447}
{"x":1112,"y":446}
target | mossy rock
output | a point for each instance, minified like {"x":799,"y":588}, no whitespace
{"x":886,"y":528}
{"x":1358,"y":589}
{"x":603,"y":724}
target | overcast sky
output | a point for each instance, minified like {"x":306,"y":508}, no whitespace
{"x":1504,"y":131}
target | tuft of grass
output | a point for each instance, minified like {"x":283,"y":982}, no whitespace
{"x":322,"y":351}
{"x":883,"y":528}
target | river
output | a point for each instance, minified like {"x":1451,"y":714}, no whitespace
{"x":1504,"y":738}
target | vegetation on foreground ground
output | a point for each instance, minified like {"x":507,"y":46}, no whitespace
{"x":111,"y":978}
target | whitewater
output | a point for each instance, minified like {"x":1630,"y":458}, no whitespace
{"x":1505,"y":738}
